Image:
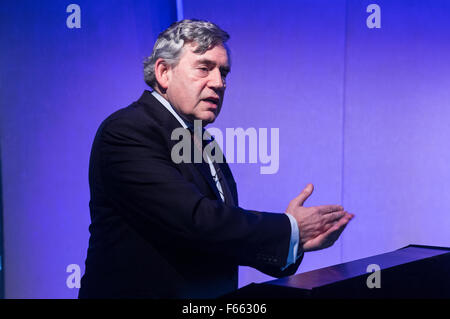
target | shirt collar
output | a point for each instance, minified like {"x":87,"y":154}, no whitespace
{"x":169,"y":107}
{"x":207,"y":138}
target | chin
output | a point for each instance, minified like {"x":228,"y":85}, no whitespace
{"x":208,"y":119}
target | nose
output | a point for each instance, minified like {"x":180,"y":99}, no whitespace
{"x":216,"y":81}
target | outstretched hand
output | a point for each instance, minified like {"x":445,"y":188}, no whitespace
{"x":319,"y":226}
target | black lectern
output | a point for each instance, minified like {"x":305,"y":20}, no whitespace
{"x":411,"y":272}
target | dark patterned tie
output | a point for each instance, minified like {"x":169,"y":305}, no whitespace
{"x":226,"y":192}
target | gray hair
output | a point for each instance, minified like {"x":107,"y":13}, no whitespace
{"x":171,"y":41}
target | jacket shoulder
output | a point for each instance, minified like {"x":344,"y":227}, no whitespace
{"x":133,"y":120}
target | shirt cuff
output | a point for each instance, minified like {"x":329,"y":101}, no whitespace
{"x":293,"y":245}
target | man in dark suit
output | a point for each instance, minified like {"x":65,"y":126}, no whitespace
{"x":162,"y":228}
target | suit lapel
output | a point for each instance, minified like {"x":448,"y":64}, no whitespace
{"x":205,"y":171}
{"x":170,"y":123}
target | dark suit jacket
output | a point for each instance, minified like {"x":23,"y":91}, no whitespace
{"x":160,"y":229}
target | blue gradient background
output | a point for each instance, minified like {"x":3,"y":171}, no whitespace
{"x":364,"y":115}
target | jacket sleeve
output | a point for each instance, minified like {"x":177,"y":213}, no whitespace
{"x":277,"y":272}
{"x":155,"y":199}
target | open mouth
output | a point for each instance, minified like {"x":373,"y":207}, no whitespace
{"x":212,"y":100}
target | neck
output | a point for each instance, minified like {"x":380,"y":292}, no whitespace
{"x":189,"y":122}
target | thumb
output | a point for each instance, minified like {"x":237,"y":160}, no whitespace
{"x":303,"y":196}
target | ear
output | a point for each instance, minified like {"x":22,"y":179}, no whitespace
{"x":162,"y":73}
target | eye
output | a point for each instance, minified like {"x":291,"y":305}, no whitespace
{"x":202,"y":71}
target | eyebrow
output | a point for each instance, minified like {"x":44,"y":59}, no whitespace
{"x":225,"y":68}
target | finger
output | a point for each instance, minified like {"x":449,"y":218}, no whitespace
{"x":335,"y":230}
{"x":328,"y":237}
{"x":335,"y":235}
{"x":326,"y":209}
{"x":334,"y":217}
{"x":303,"y":196}
{"x":338,"y":228}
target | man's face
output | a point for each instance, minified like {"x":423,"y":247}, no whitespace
{"x":196,"y":85}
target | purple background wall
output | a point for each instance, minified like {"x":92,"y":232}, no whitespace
{"x":397,"y":127}
{"x":363,"y":114}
